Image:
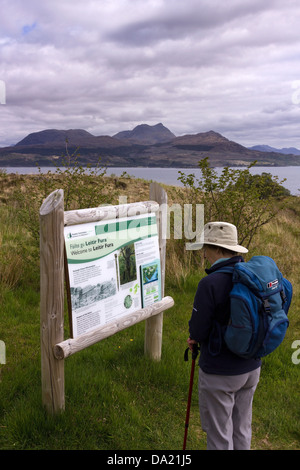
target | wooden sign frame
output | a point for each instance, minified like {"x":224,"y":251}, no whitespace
{"x":54,"y":348}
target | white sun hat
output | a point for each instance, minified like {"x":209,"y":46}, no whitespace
{"x":220,"y":234}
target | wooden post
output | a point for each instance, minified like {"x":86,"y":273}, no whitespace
{"x":52,"y":299}
{"x":154,"y":325}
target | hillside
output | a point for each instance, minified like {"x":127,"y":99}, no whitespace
{"x":145,"y":146}
{"x":146,"y":135}
{"x":284,"y":150}
{"x":117,"y":399}
{"x":52,"y":138}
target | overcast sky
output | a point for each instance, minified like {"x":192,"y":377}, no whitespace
{"x":108,"y":65}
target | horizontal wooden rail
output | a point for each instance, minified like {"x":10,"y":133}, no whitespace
{"x":83,"y":216}
{"x":72,"y":345}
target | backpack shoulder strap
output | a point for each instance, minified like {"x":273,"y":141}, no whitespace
{"x":226,"y":269}
{"x":217,"y":333}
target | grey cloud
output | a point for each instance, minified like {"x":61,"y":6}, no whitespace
{"x":107,"y":66}
{"x":186,"y":20}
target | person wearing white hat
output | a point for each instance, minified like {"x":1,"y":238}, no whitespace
{"x":226,"y":382}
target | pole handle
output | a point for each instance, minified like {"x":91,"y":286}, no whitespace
{"x":195,"y":351}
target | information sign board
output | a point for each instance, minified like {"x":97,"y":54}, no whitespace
{"x":113,"y":269}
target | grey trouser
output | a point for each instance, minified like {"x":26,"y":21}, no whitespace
{"x":225,"y":403}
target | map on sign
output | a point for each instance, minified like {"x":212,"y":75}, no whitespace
{"x":113,"y":269}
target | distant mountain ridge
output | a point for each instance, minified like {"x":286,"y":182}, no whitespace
{"x":78,"y":137}
{"x":144,"y":145}
{"x":147,"y":135}
{"x":142,"y":134}
{"x":285,"y":151}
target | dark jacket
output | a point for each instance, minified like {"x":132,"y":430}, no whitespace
{"x":211,"y":310}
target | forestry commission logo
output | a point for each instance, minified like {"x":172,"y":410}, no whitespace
{"x":2,"y":92}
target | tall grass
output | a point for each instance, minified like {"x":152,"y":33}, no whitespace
{"x":11,"y":260}
{"x":116,"y":398}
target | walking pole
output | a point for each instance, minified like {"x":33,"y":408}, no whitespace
{"x":186,"y":357}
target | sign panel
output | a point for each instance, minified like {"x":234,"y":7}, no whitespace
{"x":113,"y":269}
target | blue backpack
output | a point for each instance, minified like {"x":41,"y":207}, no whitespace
{"x":260,"y":300}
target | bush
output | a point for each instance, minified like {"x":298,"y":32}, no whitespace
{"x":236,"y":196}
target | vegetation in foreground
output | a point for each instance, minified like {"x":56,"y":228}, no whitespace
{"x":116,"y":398}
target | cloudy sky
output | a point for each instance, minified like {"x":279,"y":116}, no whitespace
{"x":108,"y":65}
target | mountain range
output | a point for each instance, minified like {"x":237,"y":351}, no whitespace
{"x":267,"y":148}
{"x":145,"y":146}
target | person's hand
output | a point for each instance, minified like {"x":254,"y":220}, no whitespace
{"x":191,"y":343}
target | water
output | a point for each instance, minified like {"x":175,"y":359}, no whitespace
{"x":169,"y":175}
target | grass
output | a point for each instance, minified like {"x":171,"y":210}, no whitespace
{"x":116,"y":398}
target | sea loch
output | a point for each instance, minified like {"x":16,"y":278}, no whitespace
{"x":170,"y":175}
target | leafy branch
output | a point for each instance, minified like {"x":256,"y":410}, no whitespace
{"x":236,"y":196}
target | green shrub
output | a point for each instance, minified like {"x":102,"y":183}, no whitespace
{"x":235,"y":196}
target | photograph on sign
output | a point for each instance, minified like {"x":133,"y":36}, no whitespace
{"x":151,"y":282}
{"x":113,"y":270}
